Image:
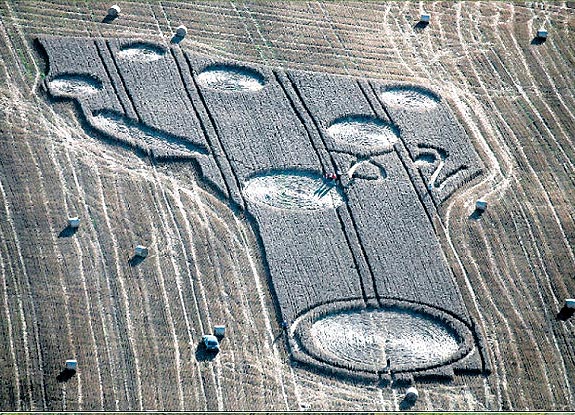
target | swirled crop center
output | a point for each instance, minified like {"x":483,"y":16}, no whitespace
{"x":141,"y":52}
{"x":231,"y":78}
{"x":410,"y":98}
{"x":411,"y":340}
{"x":74,"y":85}
{"x":293,"y":191}
{"x":363,"y":131}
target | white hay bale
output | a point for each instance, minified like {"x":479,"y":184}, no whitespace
{"x":141,"y":251}
{"x":411,"y":394}
{"x":74,"y":222}
{"x":425,"y":18}
{"x":481,"y":205}
{"x":114,"y":11}
{"x":181,"y":31}
{"x":71,"y":364}
{"x":542,"y":33}
{"x":570,"y":303}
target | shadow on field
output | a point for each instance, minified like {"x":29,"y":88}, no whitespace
{"x":67,"y":232}
{"x":476,"y":215}
{"x":65,"y":375}
{"x":176,"y":39}
{"x":420,"y":25}
{"x":135,"y":260}
{"x":406,"y":404}
{"x":203,"y":355}
{"x":538,"y":41}
{"x":109,"y":19}
{"x":565,"y":313}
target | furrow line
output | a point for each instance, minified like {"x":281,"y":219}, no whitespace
{"x":188,"y":230}
{"x":125,"y":299}
{"x":123,"y":82}
{"x":6,"y":304}
{"x":543,"y":68}
{"x":80,"y":257}
{"x":543,"y":267}
{"x":59,"y":257}
{"x":359,"y":258}
{"x":173,"y":254}
{"x":156,"y":21}
{"x":19,"y":296}
{"x":217,"y":134}
{"x":177,"y":272}
{"x":246,"y":309}
{"x":217,"y":383}
{"x":82,"y":199}
{"x":264,"y":310}
{"x":217,"y":153}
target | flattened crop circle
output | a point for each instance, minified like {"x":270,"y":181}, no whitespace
{"x":410,"y":340}
{"x":74,"y":85}
{"x":410,"y":98}
{"x":142,"y":52}
{"x":231,"y":78}
{"x":413,"y":337}
{"x":363,"y":131}
{"x":293,"y":191}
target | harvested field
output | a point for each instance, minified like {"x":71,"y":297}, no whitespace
{"x":210,"y":151}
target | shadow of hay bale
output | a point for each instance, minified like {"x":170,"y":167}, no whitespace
{"x":109,"y":19}
{"x":420,"y":25}
{"x":65,"y":375}
{"x":67,"y":232}
{"x":476,"y":215}
{"x":204,"y":355}
{"x":538,"y":40}
{"x":135,"y":260}
{"x":406,"y":404}
{"x":176,"y":39}
{"x":565,"y":313}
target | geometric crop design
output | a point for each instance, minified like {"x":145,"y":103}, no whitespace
{"x":354,"y":261}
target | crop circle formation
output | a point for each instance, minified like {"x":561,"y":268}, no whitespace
{"x":363,"y":131}
{"x":293,"y":191}
{"x":141,"y":52}
{"x":411,"y":340}
{"x":410,"y":98}
{"x":231,"y":78}
{"x":74,"y":85}
{"x":288,"y":147}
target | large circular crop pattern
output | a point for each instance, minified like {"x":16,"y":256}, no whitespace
{"x":293,"y":191}
{"x":231,"y":78}
{"x":411,"y":340}
{"x":410,"y":98}
{"x":363,"y":131}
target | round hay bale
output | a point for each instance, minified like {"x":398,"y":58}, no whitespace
{"x":181,"y":31}
{"x":411,"y":394}
{"x":114,"y":11}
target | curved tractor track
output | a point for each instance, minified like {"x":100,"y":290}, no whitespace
{"x":135,"y":330}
